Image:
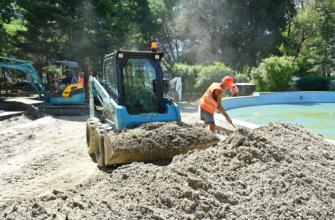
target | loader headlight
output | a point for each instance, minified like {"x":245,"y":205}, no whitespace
{"x":120,"y":55}
{"x":157,"y":56}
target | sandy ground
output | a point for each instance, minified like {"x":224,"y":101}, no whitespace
{"x":38,"y":156}
{"x":50,"y":153}
{"x":189,"y":112}
{"x":279,"y":171}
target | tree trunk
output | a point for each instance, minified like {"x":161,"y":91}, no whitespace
{"x":249,"y":73}
{"x":5,"y":81}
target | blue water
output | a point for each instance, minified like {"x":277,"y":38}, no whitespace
{"x":318,"y":117}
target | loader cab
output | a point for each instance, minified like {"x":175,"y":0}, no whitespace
{"x":135,"y":80}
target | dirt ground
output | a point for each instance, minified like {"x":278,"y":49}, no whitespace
{"x":39,"y":156}
{"x":279,"y":171}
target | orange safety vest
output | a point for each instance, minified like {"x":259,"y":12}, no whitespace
{"x":234,"y":89}
{"x":207,"y":102}
{"x":80,"y":80}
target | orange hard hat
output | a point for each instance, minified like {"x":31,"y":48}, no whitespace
{"x":229,"y":80}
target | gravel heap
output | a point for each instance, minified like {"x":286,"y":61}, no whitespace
{"x":279,"y":171}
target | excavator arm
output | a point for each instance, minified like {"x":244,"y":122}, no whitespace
{"x":30,"y":72}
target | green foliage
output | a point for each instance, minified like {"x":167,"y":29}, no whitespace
{"x":310,"y":35}
{"x":313,"y":83}
{"x":196,"y":79}
{"x":305,"y":66}
{"x":238,"y":32}
{"x":81,"y":30}
{"x":188,"y":76}
{"x":53,"y":70}
{"x":8,"y":9}
{"x":240,"y":78}
{"x":274,"y":73}
{"x":168,"y":36}
{"x":211,"y":74}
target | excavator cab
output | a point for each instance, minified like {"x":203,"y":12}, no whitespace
{"x":71,"y":93}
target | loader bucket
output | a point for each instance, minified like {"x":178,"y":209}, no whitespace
{"x":155,"y":141}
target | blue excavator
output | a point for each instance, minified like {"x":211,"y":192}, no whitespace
{"x":69,"y":101}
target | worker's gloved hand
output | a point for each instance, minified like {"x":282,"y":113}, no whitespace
{"x":229,"y":119}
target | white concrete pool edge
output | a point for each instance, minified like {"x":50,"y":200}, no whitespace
{"x":269,"y":98}
{"x":266,"y":98}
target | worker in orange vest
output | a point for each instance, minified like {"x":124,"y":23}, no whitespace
{"x":81,"y":78}
{"x":211,"y":101}
{"x":234,"y":90}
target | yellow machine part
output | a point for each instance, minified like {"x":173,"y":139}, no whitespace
{"x":70,"y":88}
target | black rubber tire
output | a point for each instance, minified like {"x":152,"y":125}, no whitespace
{"x":99,"y":139}
{"x":91,"y":125}
{"x":100,"y":144}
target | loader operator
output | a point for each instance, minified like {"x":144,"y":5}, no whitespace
{"x":130,"y":79}
{"x":66,"y":78}
{"x":211,"y":101}
{"x":133,"y":84}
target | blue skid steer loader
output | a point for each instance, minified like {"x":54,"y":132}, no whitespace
{"x":131,"y":93}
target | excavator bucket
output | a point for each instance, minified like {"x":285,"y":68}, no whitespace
{"x":33,"y":107}
{"x":155,"y":141}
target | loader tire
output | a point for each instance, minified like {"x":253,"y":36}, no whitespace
{"x":100,"y":145}
{"x":91,"y":125}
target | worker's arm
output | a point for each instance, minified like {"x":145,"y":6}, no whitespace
{"x":232,"y":92}
{"x":61,"y":77}
{"x":220,"y":108}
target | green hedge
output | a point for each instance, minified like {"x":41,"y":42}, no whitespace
{"x":240,"y":78}
{"x":273,"y":73}
{"x":188,"y":76}
{"x":211,"y":74}
{"x":313,"y":83}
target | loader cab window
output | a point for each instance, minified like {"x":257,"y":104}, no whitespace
{"x":139,"y":75}
{"x":110,"y":78}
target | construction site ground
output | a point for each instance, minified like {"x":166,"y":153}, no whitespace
{"x":280,"y":171}
{"x":38,"y":156}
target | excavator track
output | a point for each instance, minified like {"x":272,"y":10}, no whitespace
{"x":75,"y":109}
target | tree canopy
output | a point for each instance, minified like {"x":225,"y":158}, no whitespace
{"x":239,"y":33}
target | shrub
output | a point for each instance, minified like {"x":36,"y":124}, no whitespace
{"x":304,"y":65}
{"x":273,"y":73}
{"x":240,"y":78}
{"x":313,"y":83}
{"x":210,"y":74}
{"x":188,"y":76}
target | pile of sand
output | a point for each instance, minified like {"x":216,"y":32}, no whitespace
{"x":162,"y":136}
{"x":5,"y":124}
{"x":281,"y":171}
